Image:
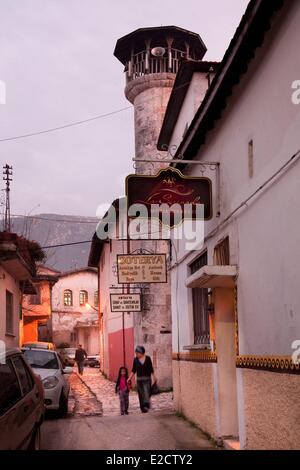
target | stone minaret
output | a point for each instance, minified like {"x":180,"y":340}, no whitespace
{"x":151,"y":57}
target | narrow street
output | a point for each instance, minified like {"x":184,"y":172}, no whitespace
{"x":94,"y":422}
{"x":149,"y":237}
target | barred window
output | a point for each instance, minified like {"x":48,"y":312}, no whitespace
{"x":68,"y":298}
{"x":200,"y":306}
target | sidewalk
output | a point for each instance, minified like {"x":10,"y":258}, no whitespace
{"x":104,"y":390}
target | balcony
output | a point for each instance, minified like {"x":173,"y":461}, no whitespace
{"x":143,"y":63}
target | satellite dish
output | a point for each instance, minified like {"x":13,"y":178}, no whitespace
{"x":158,"y":51}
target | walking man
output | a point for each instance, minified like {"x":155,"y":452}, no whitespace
{"x":80,"y":356}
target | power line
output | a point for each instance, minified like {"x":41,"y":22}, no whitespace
{"x":55,"y":220}
{"x":77,"y":123}
{"x":65,"y":244}
{"x":65,"y":126}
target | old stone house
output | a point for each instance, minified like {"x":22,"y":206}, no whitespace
{"x":75,"y":310}
{"x":17,"y":271}
{"x":37,"y":308}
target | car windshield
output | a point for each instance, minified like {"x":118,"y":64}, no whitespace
{"x":41,"y":359}
{"x":36,"y":345}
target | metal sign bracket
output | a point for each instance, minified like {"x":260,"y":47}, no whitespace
{"x":212,"y":166}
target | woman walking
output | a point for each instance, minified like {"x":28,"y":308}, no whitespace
{"x":143,"y":368}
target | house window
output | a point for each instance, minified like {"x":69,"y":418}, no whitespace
{"x":74,"y":337}
{"x":68,"y":298}
{"x":35,"y":299}
{"x":96,"y":298}
{"x":83,"y":297}
{"x":198,"y":263}
{"x":200,"y":306}
{"x":222,"y":253}
{"x":9,"y":313}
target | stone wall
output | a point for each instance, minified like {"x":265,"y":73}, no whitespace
{"x":194,"y":393}
{"x":272,"y":412}
{"x":153,"y":330}
{"x":150,"y":95}
{"x":64,"y":324}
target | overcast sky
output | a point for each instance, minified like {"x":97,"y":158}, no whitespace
{"x":56,"y":58}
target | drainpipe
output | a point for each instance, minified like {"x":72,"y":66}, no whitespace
{"x":123,"y":333}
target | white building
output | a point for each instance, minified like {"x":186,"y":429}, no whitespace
{"x":235,"y":301}
{"x":75,"y":317}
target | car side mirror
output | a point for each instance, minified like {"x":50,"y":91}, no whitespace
{"x":67,"y":370}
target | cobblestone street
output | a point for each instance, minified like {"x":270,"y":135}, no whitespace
{"x":92,"y":389}
{"x":82,"y":400}
{"x":94,"y":422}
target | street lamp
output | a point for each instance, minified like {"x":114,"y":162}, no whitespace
{"x":90,"y":306}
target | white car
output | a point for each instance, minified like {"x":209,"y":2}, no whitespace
{"x":48,"y":366}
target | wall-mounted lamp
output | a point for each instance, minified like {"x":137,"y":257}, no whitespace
{"x":87,"y":305}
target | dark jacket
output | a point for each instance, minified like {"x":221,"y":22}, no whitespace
{"x":80,"y":355}
{"x":142,"y":370}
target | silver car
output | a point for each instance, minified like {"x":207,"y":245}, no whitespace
{"x":21,"y":403}
{"x":48,"y":366}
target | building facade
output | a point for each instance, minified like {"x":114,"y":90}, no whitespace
{"x":75,"y":317}
{"x":17,"y":270}
{"x":37,"y":308}
{"x":235,"y":299}
{"x":116,"y":328}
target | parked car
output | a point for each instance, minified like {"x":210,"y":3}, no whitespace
{"x":92,"y":361}
{"x":48,"y":366}
{"x":39,"y":345}
{"x":68,"y":356}
{"x":21,"y":403}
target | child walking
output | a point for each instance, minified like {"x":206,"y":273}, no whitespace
{"x":122,"y":388}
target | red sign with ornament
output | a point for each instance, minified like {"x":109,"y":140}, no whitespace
{"x":170,"y":187}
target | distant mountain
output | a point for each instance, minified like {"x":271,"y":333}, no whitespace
{"x":53,"y":229}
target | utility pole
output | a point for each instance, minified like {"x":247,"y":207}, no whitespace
{"x":7,"y":177}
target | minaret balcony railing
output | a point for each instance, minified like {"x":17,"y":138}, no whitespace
{"x":144,"y":63}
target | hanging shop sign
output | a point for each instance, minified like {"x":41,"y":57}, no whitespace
{"x":170,"y":189}
{"x":142,"y":269}
{"x":125,"y":302}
